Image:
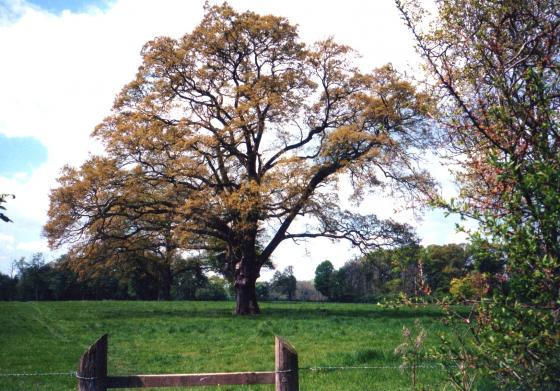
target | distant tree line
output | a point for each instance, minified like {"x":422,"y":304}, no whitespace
{"x":435,"y":270}
{"x":285,"y":286}
{"x":462,"y":271}
{"x":35,"y":279}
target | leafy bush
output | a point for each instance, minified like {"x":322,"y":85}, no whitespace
{"x":473,"y":286}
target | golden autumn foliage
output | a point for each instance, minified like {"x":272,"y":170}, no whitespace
{"x":230,"y":134}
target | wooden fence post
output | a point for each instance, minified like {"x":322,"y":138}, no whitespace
{"x":92,"y":370}
{"x":286,"y":366}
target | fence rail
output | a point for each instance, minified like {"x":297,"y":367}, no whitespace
{"x":92,"y":373}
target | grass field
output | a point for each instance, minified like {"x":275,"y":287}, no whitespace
{"x":190,"y":337}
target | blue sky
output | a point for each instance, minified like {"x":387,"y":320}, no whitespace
{"x":20,"y":155}
{"x":60,"y":72}
{"x":57,"y":6}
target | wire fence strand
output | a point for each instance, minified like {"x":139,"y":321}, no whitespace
{"x":308,"y":368}
{"x":38,"y":374}
{"x":341,"y":368}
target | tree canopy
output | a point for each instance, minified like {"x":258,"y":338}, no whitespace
{"x":233,"y":139}
{"x":3,"y":216}
{"x":496,"y":68}
{"x":323,"y":278}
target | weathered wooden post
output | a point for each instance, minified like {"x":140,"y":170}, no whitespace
{"x":286,"y":368}
{"x":92,"y":373}
{"x":92,"y":370}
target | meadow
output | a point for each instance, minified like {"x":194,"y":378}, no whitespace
{"x":191,"y":337}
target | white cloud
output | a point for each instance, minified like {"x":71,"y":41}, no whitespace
{"x":34,"y":246}
{"x":60,"y":73}
{"x":7,"y":241}
{"x":306,"y":255}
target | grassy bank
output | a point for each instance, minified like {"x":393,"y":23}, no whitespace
{"x":190,"y":337}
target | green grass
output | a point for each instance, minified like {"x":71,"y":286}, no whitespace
{"x":191,"y":337}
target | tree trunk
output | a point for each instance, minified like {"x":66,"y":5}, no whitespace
{"x":165,"y":285}
{"x":246,"y":294}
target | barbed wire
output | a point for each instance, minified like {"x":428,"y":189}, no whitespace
{"x":334,"y":368}
{"x":309,"y":368}
{"x":39,"y":374}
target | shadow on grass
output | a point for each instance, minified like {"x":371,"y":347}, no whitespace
{"x":373,"y":312}
{"x":292,"y":311}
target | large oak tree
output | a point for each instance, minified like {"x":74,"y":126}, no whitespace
{"x":234,"y":137}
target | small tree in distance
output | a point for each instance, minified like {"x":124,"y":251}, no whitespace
{"x":236,"y":131}
{"x":323,"y":278}
{"x":285,"y":283}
